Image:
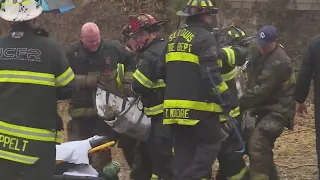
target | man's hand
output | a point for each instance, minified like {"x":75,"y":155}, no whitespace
{"x":91,"y":81}
{"x":301,"y":110}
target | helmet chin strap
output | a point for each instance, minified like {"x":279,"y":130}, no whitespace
{"x":138,"y":48}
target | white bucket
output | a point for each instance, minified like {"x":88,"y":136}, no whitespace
{"x":131,"y":121}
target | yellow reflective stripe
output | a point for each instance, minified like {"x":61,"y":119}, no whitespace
{"x":229,"y":75}
{"x":182,"y":56}
{"x":236,"y":35}
{"x":230,"y":55}
{"x":154,"y":177}
{"x":65,"y":78}
{"x":233,"y":113}
{"x":18,"y":157}
{"x":142,"y":79}
{"x":188,"y":122}
{"x":219,"y":61}
{"x":10,"y":76}
{"x":240,"y":175}
{"x":159,"y":84}
{"x":146,"y":82}
{"x":194,"y":105}
{"x":158,"y":109}
{"x":242,"y":33}
{"x":30,"y":133}
{"x":222,"y":87}
{"x":120,"y":74}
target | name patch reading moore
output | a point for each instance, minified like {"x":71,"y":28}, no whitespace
{"x":21,"y":54}
{"x":12,"y":143}
{"x":177,"y":113}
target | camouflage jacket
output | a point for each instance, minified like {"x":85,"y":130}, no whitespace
{"x":271,"y":83}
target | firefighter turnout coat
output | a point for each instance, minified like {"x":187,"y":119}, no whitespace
{"x":190,"y":60}
{"x":145,"y":80}
{"x":32,"y":68}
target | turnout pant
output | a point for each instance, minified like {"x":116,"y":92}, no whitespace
{"x":83,"y":128}
{"x":142,"y":163}
{"x":231,"y":163}
{"x":195,"y":149}
{"x":160,"y":148}
{"x":44,"y":168}
{"x":261,"y":143}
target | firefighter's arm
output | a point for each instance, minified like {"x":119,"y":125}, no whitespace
{"x":306,"y":72}
{"x":210,"y":71}
{"x":271,"y":78}
{"x":64,"y":76}
{"x":126,"y":57}
{"x":81,"y":81}
{"x":233,"y":55}
{"x":142,"y":83}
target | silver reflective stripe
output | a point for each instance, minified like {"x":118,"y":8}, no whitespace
{"x":18,"y":157}
{"x":26,"y":77}
{"x":61,"y":82}
{"x":50,"y":136}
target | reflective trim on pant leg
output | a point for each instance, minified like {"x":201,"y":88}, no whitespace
{"x":240,"y":175}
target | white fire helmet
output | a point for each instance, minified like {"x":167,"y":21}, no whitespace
{"x":20,"y":10}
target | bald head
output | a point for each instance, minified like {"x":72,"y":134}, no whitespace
{"x":89,"y":28}
{"x":90,"y":36}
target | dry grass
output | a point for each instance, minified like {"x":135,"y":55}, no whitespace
{"x":294,"y":151}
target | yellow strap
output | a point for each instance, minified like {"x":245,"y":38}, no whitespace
{"x":120,"y":74}
{"x":229,"y":75}
{"x":30,"y":133}
{"x":151,"y":111}
{"x":194,"y":105}
{"x":107,"y":145}
{"x":11,"y":76}
{"x":18,"y":157}
{"x":65,"y":78}
{"x":182,"y":56}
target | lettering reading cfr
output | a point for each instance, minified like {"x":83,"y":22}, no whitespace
{"x":13,"y":143}
{"x":185,"y":33}
{"x":177,"y":113}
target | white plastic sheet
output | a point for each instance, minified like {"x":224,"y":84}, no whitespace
{"x":131,"y":121}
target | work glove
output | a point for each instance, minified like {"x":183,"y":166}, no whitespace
{"x":91,"y":81}
{"x":86,"y":81}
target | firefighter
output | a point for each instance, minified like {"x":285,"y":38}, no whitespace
{"x":34,"y":74}
{"x":309,"y":72}
{"x":271,"y":84}
{"x":191,"y":106}
{"x":231,"y":162}
{"x":95,"y":62}
{"x":144,"y":30}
